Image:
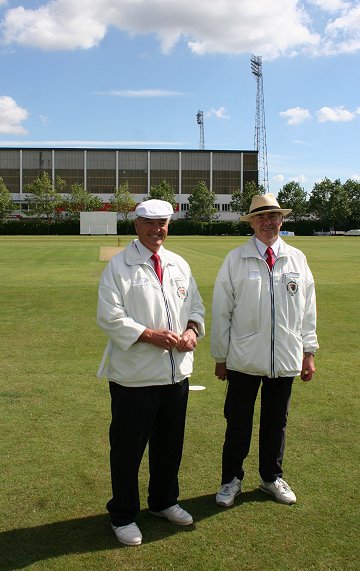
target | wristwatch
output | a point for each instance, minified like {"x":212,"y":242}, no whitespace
{"x":194,"y":329}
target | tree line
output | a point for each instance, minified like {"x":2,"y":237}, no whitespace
{"x":334,"y":204}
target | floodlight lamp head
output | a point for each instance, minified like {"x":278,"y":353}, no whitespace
{"x":256,"y":65}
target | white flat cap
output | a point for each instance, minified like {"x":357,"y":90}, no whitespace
{"x":154,"y":208}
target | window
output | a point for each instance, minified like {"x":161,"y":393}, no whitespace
{"x":69,"y":165}
{"x":133,"y":167}
{"x":10,"y":169}
{"x":195,"y":167}
{"x":226,"y":172}
{"x":101,"y":171}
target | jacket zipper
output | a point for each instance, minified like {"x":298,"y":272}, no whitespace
{"x":272,"y":306}
{"x":272,"y":362}
{"x":272,"y":327}
{"x":171,"y":356}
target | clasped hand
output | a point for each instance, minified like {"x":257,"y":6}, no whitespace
{"x":166,"y":339}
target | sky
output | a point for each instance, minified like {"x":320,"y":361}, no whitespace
{"x":134,"y":74}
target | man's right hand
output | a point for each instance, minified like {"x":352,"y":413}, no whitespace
{"x":221,"y":371}
{"x":162,"y":338}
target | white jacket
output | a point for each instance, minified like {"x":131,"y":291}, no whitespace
{"x":132,"y":299}
{"x":262,"y":322}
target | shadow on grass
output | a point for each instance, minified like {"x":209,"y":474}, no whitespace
{"x":22,"y":547}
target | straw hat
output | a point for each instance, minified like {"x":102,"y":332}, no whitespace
{"x":264,"y":203}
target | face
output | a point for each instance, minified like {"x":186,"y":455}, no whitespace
{"x":152,"y":233}
{"x":266,"y":226}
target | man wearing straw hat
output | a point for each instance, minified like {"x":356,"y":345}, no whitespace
{"x":263,"y":334}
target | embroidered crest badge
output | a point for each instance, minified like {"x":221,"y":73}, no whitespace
{"x":182,"y":293}
{"x":292,"y":287}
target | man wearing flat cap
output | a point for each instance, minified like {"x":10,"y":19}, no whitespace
{"x":150,"y":308}
{"x":263,"y":334}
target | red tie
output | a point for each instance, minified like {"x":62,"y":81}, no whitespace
{"x":157,"y":266}
{"x":270,"y":257}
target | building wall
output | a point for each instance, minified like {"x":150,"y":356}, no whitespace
{"x":103,"y":170}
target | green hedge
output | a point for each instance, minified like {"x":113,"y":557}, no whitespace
{"x":308,"y":227}
{"x":178,"y":227}
{"x":38,"y":227}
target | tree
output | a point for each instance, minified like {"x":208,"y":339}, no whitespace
{"x":201,"y":203}
{"x":293,"y":196}
{"x":122,"y":201}
{"x":163,"y":191}
{"x":250,"y":190}
{"x":240,"y":201}
{"x":339,"y":207}
{"x":80,"y":200}
{"x":6,"y":203}
{"x":352,"y":187}
{"x":329,"y":201}
{"x":319,"y":198}
{"x":236,"y":201}
{"x":44,"y":198}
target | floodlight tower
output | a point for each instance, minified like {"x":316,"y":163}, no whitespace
{"x":260,"y":131}
{"x":200,"y":121}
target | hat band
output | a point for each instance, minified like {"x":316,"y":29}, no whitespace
{"x":264,"y":208}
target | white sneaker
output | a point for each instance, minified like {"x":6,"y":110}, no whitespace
{"x":128,"y":534}
{"x":175,"y":514}
{"x":279,"y":489}
{"x":228,"y":492}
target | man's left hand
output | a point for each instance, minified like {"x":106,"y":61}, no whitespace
{"x":188,"y":341}
{"x":308,"y":367}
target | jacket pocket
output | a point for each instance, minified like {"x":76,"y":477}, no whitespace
{"x":288,"y":353}
{"x":246,"y":316}
{"x":249,"y":354}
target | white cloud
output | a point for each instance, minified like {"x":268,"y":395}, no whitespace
{"x":335,"y":114}
{"x":331,"y":5}
{"x":229,"y":26}
{"x":342,"y":34}
{"x":60,"y":24}
{"x":279,"y":178}
{"x":11,"y":116}
{"x":141,"y":93}
{"x":355,"y":177}
{"x":295,"y":115}
{"x":301,"y":178}
{"x":272,"y":29}
{"x":218,"y":113}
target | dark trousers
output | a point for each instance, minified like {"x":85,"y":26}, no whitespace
{"x":141,"y":415}
{"x":239,"y":411}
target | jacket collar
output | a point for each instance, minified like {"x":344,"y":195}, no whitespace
{"x":136,"y":256}
{"x":249,"y":250}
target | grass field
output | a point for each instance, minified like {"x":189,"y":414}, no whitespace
{"x":55,"y":416}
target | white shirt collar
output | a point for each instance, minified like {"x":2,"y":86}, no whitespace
{"x":144,"y":252}
{"x":263,"y":247}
